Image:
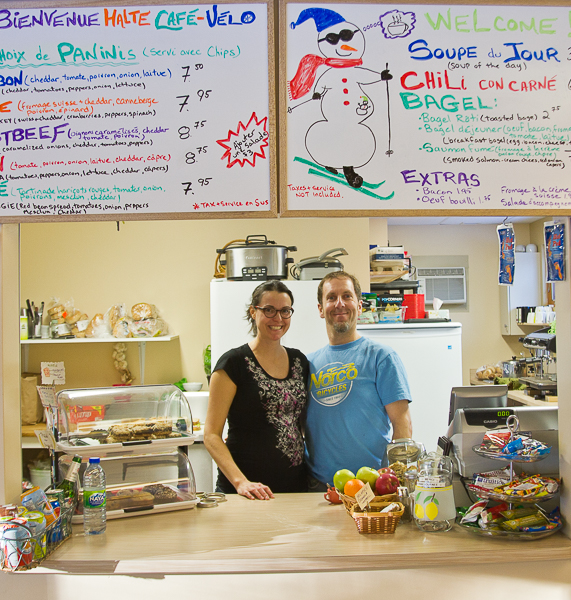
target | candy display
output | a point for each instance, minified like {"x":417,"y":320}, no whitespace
{"x":507,"y":445}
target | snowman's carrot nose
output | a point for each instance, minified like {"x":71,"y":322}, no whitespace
{"x":349,"y":48}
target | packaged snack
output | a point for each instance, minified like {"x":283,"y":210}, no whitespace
{"x":36,"y":500}
{"x":518,"y":524}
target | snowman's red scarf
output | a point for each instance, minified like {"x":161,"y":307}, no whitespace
{"x":305,"y":76}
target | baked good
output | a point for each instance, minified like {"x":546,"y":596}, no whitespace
{"x":95,"y":322}
{"x":120,"y":432}
{"x":162,"y":494}
{"x":122,"y":328}
{"x":143,"y":311}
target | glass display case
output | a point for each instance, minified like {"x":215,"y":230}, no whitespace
{"x":140,"y":484}
{"x":120,"y":420}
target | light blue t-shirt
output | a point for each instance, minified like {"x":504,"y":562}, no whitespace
{"x":347,"y":425}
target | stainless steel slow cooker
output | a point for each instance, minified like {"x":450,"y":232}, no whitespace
{"x":256,"y":258}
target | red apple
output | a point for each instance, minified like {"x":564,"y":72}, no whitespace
{"x":387,"y":483}
{"x":386,"y":470}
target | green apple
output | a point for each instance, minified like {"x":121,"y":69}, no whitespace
{"x":341,"y":478}
{"x":368,"y":475}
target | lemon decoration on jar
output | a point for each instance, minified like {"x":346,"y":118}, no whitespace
{"x":434,"y":508}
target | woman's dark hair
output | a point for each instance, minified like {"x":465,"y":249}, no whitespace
{"x":272,"y":285}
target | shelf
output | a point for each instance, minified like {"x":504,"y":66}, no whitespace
{"x":142,"y":342}
{"x":162,"y":338}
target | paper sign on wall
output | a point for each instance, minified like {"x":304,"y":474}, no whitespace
{"x":53,"y":373}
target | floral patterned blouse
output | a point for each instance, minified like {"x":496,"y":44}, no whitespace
{"x":265,"y":421}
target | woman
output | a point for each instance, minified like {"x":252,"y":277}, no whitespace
{"x":261,"y":388}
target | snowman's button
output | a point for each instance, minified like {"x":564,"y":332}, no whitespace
{"x":346,"y":103}
{"x":344,"y":80}
{"x":345,"y":91}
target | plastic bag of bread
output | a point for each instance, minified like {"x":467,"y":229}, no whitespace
{"x":489,"y":372}
{"x":149,"y":328}
{"x":114,"y":314}
{"x":143,"y":311}
{"x":97,"y":327}
{"x":122,"y":328}
{"x":57,"y":310}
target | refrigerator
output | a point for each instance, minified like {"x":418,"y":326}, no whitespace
{"x":432,"y":356}
{"x":229,"y":328}
{"x":431,"y":352}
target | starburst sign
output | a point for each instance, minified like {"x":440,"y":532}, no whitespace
{"x":248,"y":142}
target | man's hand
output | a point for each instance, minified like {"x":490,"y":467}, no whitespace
{"x":385,"y":75}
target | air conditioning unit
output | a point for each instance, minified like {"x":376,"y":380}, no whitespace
{"x":446,"y":283}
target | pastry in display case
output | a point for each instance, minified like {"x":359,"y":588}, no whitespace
{"x":139,"y":484}
{"x":100,"y":421}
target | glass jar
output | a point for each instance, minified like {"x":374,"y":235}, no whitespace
{"x":404,"y":450}
{"x":434,"y":507}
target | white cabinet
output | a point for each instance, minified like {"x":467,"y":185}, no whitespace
{"x":525,"y":291}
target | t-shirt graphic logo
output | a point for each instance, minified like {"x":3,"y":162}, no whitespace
{"x":332,"y":384}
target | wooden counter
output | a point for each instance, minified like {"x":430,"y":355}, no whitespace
{"x":292,"y":533}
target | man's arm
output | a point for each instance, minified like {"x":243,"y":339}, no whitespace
{"x":400,"y":419}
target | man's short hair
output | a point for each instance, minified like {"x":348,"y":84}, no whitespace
{"x":338,"y":275}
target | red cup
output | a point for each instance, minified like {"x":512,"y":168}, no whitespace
{"x":414,"y":306}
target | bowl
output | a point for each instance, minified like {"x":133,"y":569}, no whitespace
{"x":192,"y":386}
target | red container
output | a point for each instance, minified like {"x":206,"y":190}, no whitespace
{"x":414,"y":306}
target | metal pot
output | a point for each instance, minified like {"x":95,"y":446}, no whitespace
{"x":256,"y":258}
{"x":514,"y":368}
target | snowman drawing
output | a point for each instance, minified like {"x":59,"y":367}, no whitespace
{"x":341,"y":141}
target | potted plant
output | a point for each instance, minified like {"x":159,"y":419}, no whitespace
{"x":206,"y":361}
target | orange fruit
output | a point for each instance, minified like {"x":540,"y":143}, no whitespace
{"x":352,"y":487}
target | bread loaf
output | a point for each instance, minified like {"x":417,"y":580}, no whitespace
{"x":143,"y":311}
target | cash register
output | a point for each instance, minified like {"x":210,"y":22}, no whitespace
{"x":470,"y":424}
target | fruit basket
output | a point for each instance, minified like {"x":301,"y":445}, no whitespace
{"x":351,"y":504}
{"x":375,"y":521}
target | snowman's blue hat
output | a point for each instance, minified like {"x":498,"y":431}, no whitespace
{"x":323,"y":18}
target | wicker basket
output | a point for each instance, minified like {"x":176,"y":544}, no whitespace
{"x":375,"y":521}
{"x":351,"y":504}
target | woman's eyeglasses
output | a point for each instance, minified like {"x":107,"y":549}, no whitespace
{"x":345,"y":35}
{"x":269,"y":311}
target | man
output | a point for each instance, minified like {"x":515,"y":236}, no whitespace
{"x":358,"y":390}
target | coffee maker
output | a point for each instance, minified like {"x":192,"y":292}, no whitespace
{"x":542,"y":345}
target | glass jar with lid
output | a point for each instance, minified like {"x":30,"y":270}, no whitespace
{"x":404,"y":450}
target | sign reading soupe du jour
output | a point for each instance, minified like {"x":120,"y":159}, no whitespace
{"x":154,"y":109}
{"x":428,"y":107}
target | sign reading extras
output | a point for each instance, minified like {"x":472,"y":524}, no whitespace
{"x":332,"y":384}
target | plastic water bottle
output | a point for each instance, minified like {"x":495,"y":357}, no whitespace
{"x":94,"y":500}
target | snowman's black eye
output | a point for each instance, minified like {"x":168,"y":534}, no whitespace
{"x":345,"y":35}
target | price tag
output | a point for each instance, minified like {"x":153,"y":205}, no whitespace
{"x":364,"y":496}
{"x":47,"y":396}
{"x":46,"y":438}
{"x":53,"y":373}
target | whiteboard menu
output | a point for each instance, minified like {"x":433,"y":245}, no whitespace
{"x":393,"y":109}
{"x":135,"y":112}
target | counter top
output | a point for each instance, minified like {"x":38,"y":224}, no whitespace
{"x":292,"y":533}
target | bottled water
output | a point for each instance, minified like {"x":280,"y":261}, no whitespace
{"x":94,"y":513}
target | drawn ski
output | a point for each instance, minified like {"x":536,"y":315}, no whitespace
{"x":320,"y":171}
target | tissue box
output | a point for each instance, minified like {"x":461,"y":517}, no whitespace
{"x":439,"y":314}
